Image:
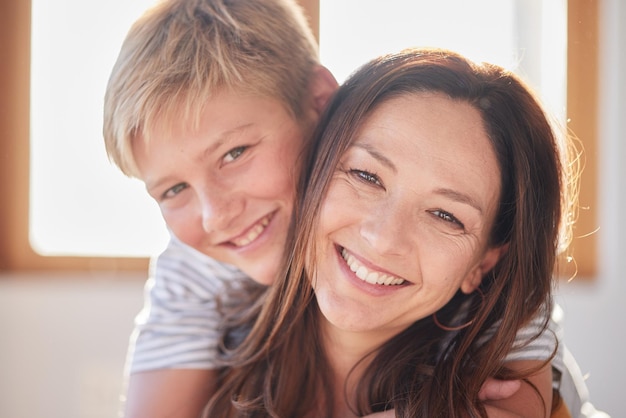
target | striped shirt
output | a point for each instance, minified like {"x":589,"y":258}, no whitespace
{"x":178,"y":326}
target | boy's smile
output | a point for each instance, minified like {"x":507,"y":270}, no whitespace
{"x":252,"y":233}
{"x":226,"y":187}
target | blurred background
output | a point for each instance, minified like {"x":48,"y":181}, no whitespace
{"x":75,"y":234}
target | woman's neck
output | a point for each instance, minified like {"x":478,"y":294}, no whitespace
{"x":348,"y":353}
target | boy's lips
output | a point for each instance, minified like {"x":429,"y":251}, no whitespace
{"x":367,"y":274}
{"x":252,"y":233}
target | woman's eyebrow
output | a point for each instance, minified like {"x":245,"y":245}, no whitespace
{"x":443,"y":191}
{"x":459,"y":197}
{"x":376,"y":155}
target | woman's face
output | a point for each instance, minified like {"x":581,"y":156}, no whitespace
{"x":407,"y":217}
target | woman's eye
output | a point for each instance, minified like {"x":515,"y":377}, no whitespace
{"x":448,"y":217}
{"x":233,"y":154}
{"x":173,"y":191}
{"x":366,"y":176}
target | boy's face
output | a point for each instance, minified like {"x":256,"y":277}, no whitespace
{"x":227,"y":188}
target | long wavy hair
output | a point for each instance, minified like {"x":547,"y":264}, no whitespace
{"x":281,"y":370}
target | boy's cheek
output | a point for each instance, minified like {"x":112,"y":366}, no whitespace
{"x":191,"y":237}
{"x":186,"y":228}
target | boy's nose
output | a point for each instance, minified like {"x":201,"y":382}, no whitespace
{"x":219,"y":210}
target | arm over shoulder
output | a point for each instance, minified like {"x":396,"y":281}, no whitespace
{"x":567,"y":378}
{"x":172,"y":357}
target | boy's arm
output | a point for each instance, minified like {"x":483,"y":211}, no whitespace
{"x":163,"y":393}
{"x":529,"y":352}
{"x":526,"y":402}
{"x":531,"y":348}
{"x":173,"y":353}
{"x":492,"y":390}
{"x":514,"y":398}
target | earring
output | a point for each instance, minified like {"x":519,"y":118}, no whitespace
{"x":458,"y":327}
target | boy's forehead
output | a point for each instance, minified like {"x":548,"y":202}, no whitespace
{"x":180,"y":114}
{"x":225,"y":107}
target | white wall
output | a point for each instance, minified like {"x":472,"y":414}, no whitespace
{"x":62,"y":344}
{"x":63,"y":339}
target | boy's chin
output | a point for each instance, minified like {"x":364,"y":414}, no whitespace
{"x":264,"y":277}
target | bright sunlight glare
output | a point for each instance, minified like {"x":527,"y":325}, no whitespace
{"x":82,"y":205}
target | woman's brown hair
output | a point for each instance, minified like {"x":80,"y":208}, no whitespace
{"x":281,"y":371}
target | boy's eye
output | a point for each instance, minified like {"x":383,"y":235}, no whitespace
{"x":233,"y":154}
{"x":173,"y":191}
{"x":366,"y":176}
{"x":448,"y":217}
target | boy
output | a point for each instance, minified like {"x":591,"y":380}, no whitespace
{"x":210,"y":103}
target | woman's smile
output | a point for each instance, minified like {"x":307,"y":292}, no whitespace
{"x":366,"y":274}
{"x":405,"y":221}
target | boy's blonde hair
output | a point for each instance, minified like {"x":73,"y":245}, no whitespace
{"x":180,"y":52}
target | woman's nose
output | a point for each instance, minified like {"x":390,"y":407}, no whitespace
{"x":390,"y":230}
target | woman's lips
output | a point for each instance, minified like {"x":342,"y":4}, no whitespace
{"x":368,"y":275}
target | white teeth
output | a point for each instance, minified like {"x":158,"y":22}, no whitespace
{"x":368,"y":276}
{"x":253,"y":233}
{"x":361,"y":271}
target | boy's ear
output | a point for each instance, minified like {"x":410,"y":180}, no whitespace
{"x":489,"y":260}
{"x":321,"y":88}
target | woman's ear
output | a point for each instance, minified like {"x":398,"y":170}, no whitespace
{"x":322,"y":86}
{"x":489,"y":260}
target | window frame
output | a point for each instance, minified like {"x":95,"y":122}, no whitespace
{"x":16,"y":253}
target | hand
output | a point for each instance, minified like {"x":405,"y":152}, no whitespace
{"x":385,"y":414}
{"x":495,"y":390}
{"x":492,"y":390}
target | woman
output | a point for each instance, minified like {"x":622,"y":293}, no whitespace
{"x":425,"y":238}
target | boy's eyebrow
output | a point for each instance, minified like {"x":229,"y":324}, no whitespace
{"x":225,"y":137}
{"x":152,"y":185}
{"x":222,"y":138}
{"x":376,"y":155}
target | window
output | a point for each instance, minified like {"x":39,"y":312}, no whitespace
{"x":530,"y":40}
{"x":83,"y":206}
{"x":582,"y":114}
{"x":16,"y":251}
